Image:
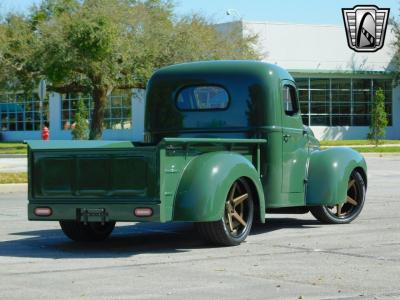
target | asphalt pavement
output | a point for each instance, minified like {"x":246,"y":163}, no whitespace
{"x":289,"y":257}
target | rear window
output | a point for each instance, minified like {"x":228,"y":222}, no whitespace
{"x":202,"y":98}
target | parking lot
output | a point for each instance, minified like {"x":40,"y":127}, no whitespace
{"x":289,"y":257}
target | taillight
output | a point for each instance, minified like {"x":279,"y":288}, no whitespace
{"x":43,"y":211}
{"x":143,"y":212}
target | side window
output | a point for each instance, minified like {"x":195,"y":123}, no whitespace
{"x":290,"y":103}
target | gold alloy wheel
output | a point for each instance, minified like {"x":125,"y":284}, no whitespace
{"x":235,"y":209}
{"x":345,"y":209}
{"x":349,"y":210}
{"x":237,"y":218}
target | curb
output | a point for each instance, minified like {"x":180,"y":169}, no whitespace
{"x":362,"y":146}
{"x":10,"y":188}
{"x":380,"y":154}
{"x":13,"y":155}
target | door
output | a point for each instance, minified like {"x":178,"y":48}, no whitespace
{"x":294,"y":144}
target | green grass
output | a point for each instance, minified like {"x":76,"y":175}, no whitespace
{"x":355,"y":142}
{"x":20,"y":177}
{"x":377,"y":149}
{"x":391,"y":149}
{"x":12,"y":148}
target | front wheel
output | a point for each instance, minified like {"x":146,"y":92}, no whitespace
{"x":348,"y":211}
{"x":93,"y":231}
{"x":236,"y":223}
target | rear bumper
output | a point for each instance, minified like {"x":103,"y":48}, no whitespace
{"x":112,"y":212}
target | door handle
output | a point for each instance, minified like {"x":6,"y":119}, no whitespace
{"x":286,"y":137}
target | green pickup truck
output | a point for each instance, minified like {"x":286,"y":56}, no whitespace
{"x":224,"y":145}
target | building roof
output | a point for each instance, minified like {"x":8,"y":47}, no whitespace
{"x":342,"y":73}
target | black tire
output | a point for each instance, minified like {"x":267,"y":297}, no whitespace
{"x":93,"y":231}
{"x":349,"y":211}
{"x":231,"y":232}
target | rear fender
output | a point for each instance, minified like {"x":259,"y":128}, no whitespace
{"x":206,"y":182}
{"x":328,"y":175}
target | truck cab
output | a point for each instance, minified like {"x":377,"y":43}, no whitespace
{"x":224,"y":144}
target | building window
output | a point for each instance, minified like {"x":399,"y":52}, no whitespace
{"x":319,"y":101}
{"x":21,"y":112}
{"x":302,"y":87}
{"x":362,"y":101}
{"x":341,"y":101}
{"x":117,"y":114}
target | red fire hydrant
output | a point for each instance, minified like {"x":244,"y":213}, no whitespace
{"x":45,"y":133}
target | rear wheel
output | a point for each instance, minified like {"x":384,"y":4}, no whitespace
{"x":345,"y":212}
{"x":236,"y":223}
{"x":93,"y":231}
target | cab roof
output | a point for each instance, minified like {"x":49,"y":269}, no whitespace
{"x":227,"y":66}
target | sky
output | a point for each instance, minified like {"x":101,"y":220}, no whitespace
{"x":289,"y":11}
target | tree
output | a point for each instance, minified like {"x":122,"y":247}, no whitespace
{"x":378,"y":118}
{"x":95,"y":46}
{"x":80,"y":130}
{"x":395,"y":62}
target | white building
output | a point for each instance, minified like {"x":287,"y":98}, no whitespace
{"x":336,"y":84}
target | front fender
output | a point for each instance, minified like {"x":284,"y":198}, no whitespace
{"x":328,"y":175}
{"x":206,"y":182}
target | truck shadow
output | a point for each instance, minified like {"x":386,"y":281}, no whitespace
{"x":125,"y":241}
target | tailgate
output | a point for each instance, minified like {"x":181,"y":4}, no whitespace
{"x":98,"y":171}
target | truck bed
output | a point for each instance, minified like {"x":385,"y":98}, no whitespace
{"x":71,"y":171}
{"x":108,"y":181}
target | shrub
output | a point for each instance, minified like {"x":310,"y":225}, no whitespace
{"x":378,"y":118}
{"x":80,"y":128}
